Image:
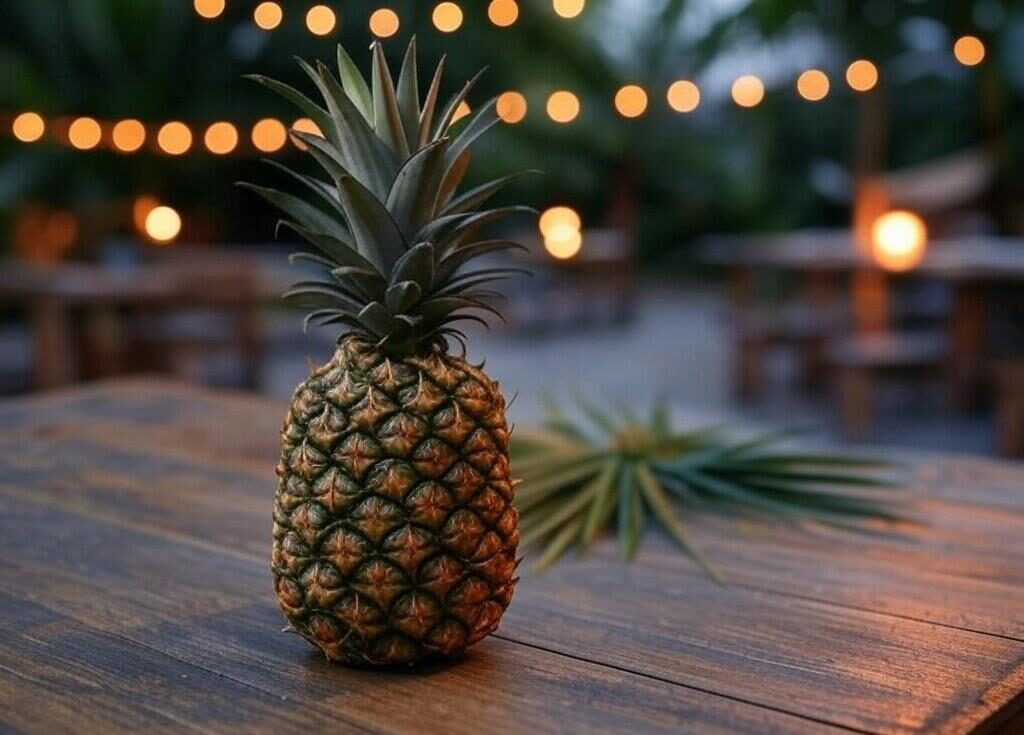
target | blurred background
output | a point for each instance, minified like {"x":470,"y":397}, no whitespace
{"x":789,"y":211}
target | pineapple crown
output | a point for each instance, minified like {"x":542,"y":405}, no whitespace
{"x":390,"y":233}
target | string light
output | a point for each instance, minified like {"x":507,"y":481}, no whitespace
{"x":748,"y":91}
{"x":221,"y":138}
{"x":174,"y":138}
{"x":447,"y":17}
{"x":268,"y":15}
{"x":163,"y":224}
{"x":269,"y":135}
{"x":85,"y":133}
{"x":461,"y":111}
{"x":208,"y":9}
{"x":568,"y":8}
{"x":128,"y":135}
{"x":898,"y":240}
{"x":305,"y":125}
{"x":631,"y":101}
{"x":969,"y":50}
{"x":683,"y":96}
{"x":813,"y":85}
{"x":563,"y":106}
{"x":320,"y":20}
{"x":503,"y":13}
{"x":28,"y":127}
{"x":384,"y":23}
{"x":511,"y":107}
{"x":558,"y":217}
{"x":862,"y":75}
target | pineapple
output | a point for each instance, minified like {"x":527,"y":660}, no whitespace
{"x":394,"y":530}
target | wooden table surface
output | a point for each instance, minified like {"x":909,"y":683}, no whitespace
{"x":135,"y":596}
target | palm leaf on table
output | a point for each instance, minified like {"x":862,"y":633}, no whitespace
{"x":594,"y":469}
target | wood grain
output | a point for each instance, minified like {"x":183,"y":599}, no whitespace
{"x":158,"y":518}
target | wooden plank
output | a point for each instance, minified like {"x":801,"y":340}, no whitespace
{"x":110,"y":629}
{"x":659,"y":618}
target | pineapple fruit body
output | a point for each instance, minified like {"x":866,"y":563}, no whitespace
{"x":394,"y":531}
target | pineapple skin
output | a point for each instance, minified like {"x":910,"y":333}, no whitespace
{"x":394,"y":534}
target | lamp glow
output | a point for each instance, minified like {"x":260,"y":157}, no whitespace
{"x":683,"y":96}
{"x":568,"y":8}
{"x":128,"y":135}
{"x":320,"y":20}
{"x":268,"y":15}
{"x":511,"y":107}
{"x":85,"y":133}
{"x":28,"y":127}
{"x":447,"y":17}
{"x":269,"y":135}
{"x":813,"y":85}
{"x":384,"y":22}
{"x":862,"y":75}
{"x":221,"y":138}
{"x":563,"y":107}
{"x":174,"y":138}
{"x":898,"y":240}
{"x":631,"y":101}
{"x":748,"y":91}
{"x":503,"y":13}
{"x":969,"y":50}
{"x":163,"y":224}
{"x":208,"y":9}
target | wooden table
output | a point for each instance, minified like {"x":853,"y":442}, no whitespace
{"x":135,"y":597}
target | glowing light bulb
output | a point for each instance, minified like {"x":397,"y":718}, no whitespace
{"x":85,"y":133}
{"x":269,"y":135}
{"x":268,"y":15}
{"x":631,"y":101}
{"x":163,"y":224}
{"x":28,"y":127}
{"x":461,"y":111}
{"x":221,"y":138}
{"x":862,"y":75}
{"x":503,"y":13}
{"x":568,"y":8}
{"x":683,"y":96}
{"x":320,"y":20}
{"x":208,"y":9}
{"x":564,"y":243}
{"x":898,"y":240}
{"x":447,"y":17}
{"x":128,"y":135}
{"x":384,"y":22}
{"x":558,"y":218}
{"x":563,"y":107}
{"x":813,"y":85}
{"x":174,"y":138}
{"x":969,"y":50}
{"x":748,"y":91}
{"x":511,"y":107}
{"x":305,"y":125}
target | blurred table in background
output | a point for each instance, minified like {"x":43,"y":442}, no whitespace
{"x":91,"y":320}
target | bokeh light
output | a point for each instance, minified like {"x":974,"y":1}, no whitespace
{"x":969,"y":50}
{"x":320,"y":20}
{"x":384,"y":22}
{"x":862,"y":75}
{"x":128,"y":135}
{"x":305,"y":125}
{"x":447,"y":17}
{"x":558,"y":218}
{"x":85,"y":133}
{"x":683,"y":96}
{"x":898,"y":240}
{"x":563,"y":243}
{"x":813,"y":85}
{"x":563,"y":106}
{"x":503,"y":13}
{"x":748,"y":91}
{"x":163,"y":224}
{"x":511,"y":107}
{"x":568,"y":8}
{"x":268,"y":15}
{"x":221,"y":138}
{"x":174,"y":138}
{"x":28,"y":127}
{"x":141,"y":208}
{"x":208,"y":8}
{"x":461,"y":111}
{"x":631,"y":101}
{"x":269,"y":135}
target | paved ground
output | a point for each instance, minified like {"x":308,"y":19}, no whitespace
{"x":676,"y":347}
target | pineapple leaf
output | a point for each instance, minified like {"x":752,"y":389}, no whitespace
{"x":414,"y":194}
{"x":379,"y":321}
{"x":452,"y":178}
{"x":354,"y":84}
{"x":430,"y":106}
{"x":312,"y":110}
{"x":340,"y":252}
{"x":469,"y":225}
{"x":408,"y":94}
{"x":376,"y":233}
{"x":630,"y":514}
{"x":481,"y":121}
{"x":417,"y":264}
{"x":309,"y":217}
{"x":325,"y":154}
{"x":476,"y":198}
{"x":402,"y":296}
{"x":387,"y":117}
{"x":603,"y":504}
{"x":453,"y":104}
{"x":557,"y":546}
{"x":454,"y":260}
{"x":321,"y":188}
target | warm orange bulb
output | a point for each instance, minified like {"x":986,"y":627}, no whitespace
{"x":813,"y":85}
{"x":305,"y":125}
{"x":568,"y":8}
{"x":631,"y":101}
{"x":384,"y":22}
{"x":163,"y":224}
{"x":511,"y":107}
{"x":563,"y":243}
{"x":141,"y":208}
{"x":969,"y":50}
{"x":221,"y":138}
{"x":447,"y":17}
{"x":320,"y":20}
{"x":683,"y":96}
{"x":85,"y":133}
{"x":174,"y":138}
{"x":898,"y":240}
{"x":128,"y":135}
{"x":557,"y":219}
{"x":563,"y":107}
{"x":28,"y":127}
{"x":461,"y":111}
{"x":208,"y":8}
{"x":503,"y":13}
{"x":269,"y":135}
{"x":748,"y":91}
{"x":268,"y":15}
{"x":862,"y":75}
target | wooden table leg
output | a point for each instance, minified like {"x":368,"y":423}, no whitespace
{"x":967,"y":344}
{"x":52,"y":343}
{"x":856,"y":397}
